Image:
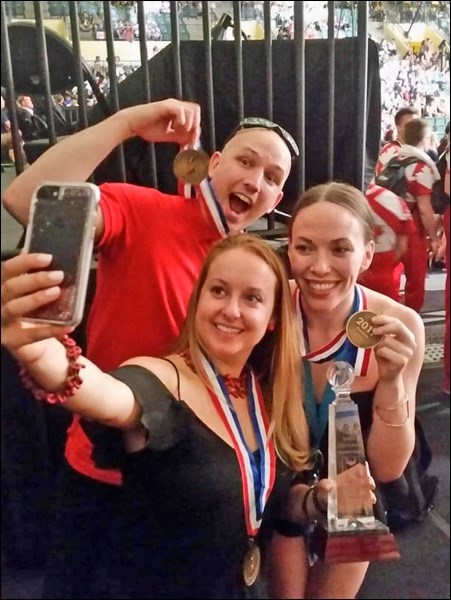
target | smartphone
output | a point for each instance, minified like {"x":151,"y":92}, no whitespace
{"x":62,"y":223}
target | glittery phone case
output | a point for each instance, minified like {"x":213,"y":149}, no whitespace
{"x":62,"y":223}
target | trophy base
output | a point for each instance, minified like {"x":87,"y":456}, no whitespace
{"x":354,"y":545}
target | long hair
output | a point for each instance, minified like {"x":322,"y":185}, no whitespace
{"x":341,"y":194}
{"x":275,"y":360}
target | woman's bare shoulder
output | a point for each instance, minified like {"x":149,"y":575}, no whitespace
{"x":381,"y":304}
{"x":166,"y":369}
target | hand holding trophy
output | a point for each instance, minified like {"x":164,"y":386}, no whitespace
{"x":350,"y":532}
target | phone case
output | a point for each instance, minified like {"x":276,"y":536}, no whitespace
{"x":62,"y":223}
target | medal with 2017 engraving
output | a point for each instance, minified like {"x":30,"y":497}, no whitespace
{"x":191,"y":166}
{"x":359,"y":329}
{"x":251,"y":564}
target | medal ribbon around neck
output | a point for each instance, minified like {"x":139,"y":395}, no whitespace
{"x":340,"y":348}
{"x":205,"y":190}
{"x":257,"y":476}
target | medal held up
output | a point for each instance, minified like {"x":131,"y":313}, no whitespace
{"x":191,"y":166}
{"x":349,"y":532}
{"x":360,"y":330}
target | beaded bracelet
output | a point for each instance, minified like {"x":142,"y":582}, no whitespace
{"x":73,"y":379}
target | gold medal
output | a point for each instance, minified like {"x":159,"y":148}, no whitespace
{"x":191,"y":166}
{"x":251,"y":564}
{"x":359,"y":329}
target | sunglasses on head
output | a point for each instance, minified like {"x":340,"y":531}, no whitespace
{"x":251,"y":122}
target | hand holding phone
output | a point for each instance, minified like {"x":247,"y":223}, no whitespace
{"x":62,"y":223}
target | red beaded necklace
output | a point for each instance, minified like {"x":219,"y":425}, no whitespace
{"x":236,"y":386}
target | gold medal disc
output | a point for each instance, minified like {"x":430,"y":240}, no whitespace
{"x":251,"y":565}
{"x":191,"y":166}
{"x":359,"y":329}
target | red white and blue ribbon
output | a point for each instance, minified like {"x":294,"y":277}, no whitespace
{"x":213,"y":206}
{"x":257,"y":475}
{"x":205,"y":190}
{"x":340,"y":348}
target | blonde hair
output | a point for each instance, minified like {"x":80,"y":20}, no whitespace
{"x":276,"y":359}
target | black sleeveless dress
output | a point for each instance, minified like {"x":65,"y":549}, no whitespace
{"x":183,"y":530}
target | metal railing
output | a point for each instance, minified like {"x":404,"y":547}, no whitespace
{"x":43,"y":80}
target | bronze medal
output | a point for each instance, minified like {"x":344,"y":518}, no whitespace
{"x":191,"y":166}
{"x":359,"y":329}
{"x":251,"y":564}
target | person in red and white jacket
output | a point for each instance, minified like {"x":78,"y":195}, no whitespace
{"x":391,"y":149}
{"x":419,"y":180}
{"x":394,"y":224}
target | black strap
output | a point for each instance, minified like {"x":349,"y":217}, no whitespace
{"x":177,"y":373}
{"x":398,"y":162}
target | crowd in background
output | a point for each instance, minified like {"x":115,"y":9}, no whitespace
{"x":415,"y":79}
{"x":418,"y":78}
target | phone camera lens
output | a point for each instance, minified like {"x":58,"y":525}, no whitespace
{"x":48,"y":192}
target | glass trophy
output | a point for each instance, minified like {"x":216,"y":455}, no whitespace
{"x":350,"y":532}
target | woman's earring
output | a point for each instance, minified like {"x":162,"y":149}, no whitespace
{"x":271,"y":326}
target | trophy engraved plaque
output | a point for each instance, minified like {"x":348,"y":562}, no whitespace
{"x":350,"y":532}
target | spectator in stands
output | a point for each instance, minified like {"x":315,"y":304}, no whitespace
{"x":157,"y":273}
{"x":99,"y":68}
{"x":6,"y":123}
{"x":410,"y":54}
{"x":444,"y":142}
{"x":425,"y":49}
{"x":443,"y":55}
{"x":7,"y":139}
{"x":27,"y":120}
{"x":391,"y":47}
{"x":430,"y":107}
